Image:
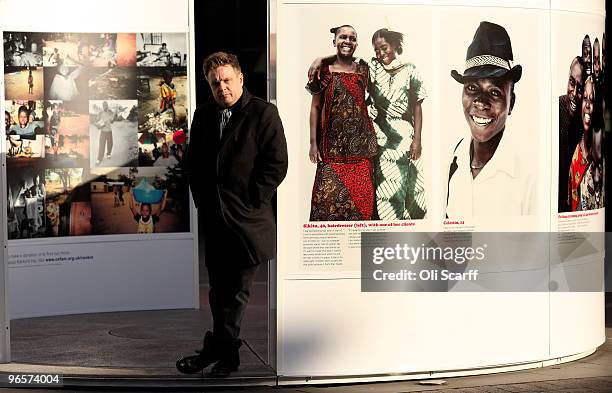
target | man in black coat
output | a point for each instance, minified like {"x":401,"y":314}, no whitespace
{"x":237,"y":158}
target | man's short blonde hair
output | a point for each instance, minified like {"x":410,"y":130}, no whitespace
{"x":218,"y":59}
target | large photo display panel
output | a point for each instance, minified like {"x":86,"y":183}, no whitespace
{"x":95,"y":129}
{"x":581,"y":117}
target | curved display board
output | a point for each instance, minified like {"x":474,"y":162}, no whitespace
{"x":439,"y":117}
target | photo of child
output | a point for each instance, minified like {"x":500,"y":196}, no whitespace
{"x":138,"y":200}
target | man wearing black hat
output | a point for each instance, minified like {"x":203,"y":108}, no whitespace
{"x":486,"y":178}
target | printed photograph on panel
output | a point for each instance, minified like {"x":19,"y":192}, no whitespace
{"x":23,"y":83}
{"x":68,"y":202}
{"x":66,"y":134}
{"x":113,"y":133}
{"x":581,"y":115}
{"x":23,"y":49}
{"x":126,"y":49}
{"x":162,"y":115}
{"x":139,"y":200}
{"x":115,"y":83}
{"x":366,"y":116}
{"x":26,"y":199}
{"x":24,"y":125}
{"x":67,"y":84}
{"x":161,"y":50}
{"x":492,"y":136}
{"x":69,"y":49}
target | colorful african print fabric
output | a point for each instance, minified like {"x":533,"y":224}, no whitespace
{"x":343,"y":188}
{"x":590,"y":197}
{"x":578,"y":168}
{"x":400,"y":186}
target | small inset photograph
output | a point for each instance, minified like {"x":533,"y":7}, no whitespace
{"x":115,"y":83}
{"x":26,"y":200}
{"x":113,"y":133}
{"x":112,"y":49}
{"x":126,"y":50}
{"x":161,"y":50}
{"x":139,"y":200}
{"x":24,"y":83}
{"x":162,"y":114}
{"x":67,"y":84}
{"x":69,"y":49}
{"x":23,"y":49}
{"x":24,"y":125}
{"x":68,"y":203}
{"x":66,"y":134}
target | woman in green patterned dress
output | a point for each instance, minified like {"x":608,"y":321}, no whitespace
{"x":397,"y":92}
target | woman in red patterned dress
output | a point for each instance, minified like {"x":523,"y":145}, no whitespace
{"x":342,"y":137}
{"x":582,"y":155}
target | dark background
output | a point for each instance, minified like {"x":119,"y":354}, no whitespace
{"x":235,"y":26}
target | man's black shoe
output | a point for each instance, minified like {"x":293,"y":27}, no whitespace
{"x":223,"y":368}
{"x":205,"y":357}
{"x":229,"y":358}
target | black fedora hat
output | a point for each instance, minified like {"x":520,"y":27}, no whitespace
{"x":489,"y":55}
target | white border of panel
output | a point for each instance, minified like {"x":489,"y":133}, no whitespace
{"x":5,"y":334}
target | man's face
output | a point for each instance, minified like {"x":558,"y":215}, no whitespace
{"x":596,"y":61}
{"x":487,"y":102}
{"x":23,"y":118}
{"x":105,"y":105}
{"x":587,"y":105}
{"x":226,"y":85}
{"x":575,"y":87}
{"x":7,"y":120}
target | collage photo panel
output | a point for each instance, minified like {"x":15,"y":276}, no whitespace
{"x":81,"y":105}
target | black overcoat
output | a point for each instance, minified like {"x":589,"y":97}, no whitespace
{"x":233,"y":179}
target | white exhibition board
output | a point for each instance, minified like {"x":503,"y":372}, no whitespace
{"x":329,"y":328}
{"x":101,"y":273}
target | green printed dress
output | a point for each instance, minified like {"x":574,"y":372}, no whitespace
{"x":400,"y":188}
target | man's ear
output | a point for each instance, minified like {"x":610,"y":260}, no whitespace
{"x":512,"y":100}
{"x":241,"y":78}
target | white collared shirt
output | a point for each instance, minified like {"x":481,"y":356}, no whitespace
{"x":504,"y":187}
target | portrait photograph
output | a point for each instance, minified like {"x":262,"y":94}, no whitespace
{"x":494,"y":115}
{"x":24,"y":83}
{"x":24,"y":125}
{"x":366,"y":111}
{"x":113,"y":133}
{"x":578,"y":81}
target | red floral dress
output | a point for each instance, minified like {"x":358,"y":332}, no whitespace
{"x":578,"y":168}
{"x":343,"y":189}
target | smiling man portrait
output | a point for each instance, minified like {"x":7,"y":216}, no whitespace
{"x":486,"y":178}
